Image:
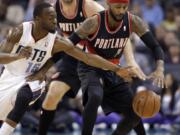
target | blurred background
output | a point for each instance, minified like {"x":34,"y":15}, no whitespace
{"x":163,"y":17}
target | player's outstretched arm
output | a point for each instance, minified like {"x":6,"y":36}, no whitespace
{"x":62,"y":44}
{"x":141,"y":29}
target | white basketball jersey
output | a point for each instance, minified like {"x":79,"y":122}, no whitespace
{"x":42,"y":50}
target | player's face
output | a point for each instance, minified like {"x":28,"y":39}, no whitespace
{"x":48,"y":19}
{"x":68,"y":1}
{"x":117,"y":10}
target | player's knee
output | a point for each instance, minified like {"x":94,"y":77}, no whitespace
{"x":55,"y":93}
{"x":57,"y":89}
{"x":24,"y":98}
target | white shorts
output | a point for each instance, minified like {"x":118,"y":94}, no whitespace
{"x":9,"y":87}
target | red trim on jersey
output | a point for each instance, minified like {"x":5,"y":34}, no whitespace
{"x":130,"y":22}
{"x":95,"y":34}
{"x":118,"y":1}
{"x":83,"y":8}
{"x":115,"y":61}
{"x":90,"y":49}
{"x":65,"y":34}
{"x":107,"y":25}
{"x":64,"y":14}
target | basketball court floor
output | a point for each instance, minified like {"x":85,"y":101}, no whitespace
{"x":166,"y":130}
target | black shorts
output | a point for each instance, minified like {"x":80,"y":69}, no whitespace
{"x":68,"y":74}
{"x":117,"y":93}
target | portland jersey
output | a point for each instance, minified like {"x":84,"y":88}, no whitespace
{"x":41,"y":52}
{"x":69,"y":24}
{"x":107,"y":43}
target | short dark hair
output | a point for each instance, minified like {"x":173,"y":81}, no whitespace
{"x":39,"y":8}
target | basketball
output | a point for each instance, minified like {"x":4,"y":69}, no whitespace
{"x":146,"y":104}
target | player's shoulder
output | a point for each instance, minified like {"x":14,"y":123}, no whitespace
{"x":15,"y":33}
{"x":92,"y":7}
{"x":139,"y":26}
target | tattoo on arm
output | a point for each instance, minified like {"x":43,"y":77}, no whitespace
{"x":88,"y":27}
{"x":139,"y":26}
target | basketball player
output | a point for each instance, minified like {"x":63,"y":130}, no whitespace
{"x":70,"y":15}
{"x":107,"y":34}
{"x":16,"y":93}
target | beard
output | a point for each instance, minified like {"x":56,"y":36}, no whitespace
{"x":116,"y":18}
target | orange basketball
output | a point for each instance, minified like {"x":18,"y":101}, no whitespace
{"x":146,"y":104}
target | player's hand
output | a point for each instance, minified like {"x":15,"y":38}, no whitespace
{"x":25,"y":52}
{"x":158,"y":78}
{"x":56,"y":75}
{"x":126,"y":73}
{"x":37,"y":76}
{"x":139,"y":73}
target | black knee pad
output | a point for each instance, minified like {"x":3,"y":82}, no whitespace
{"x":24,"y":97}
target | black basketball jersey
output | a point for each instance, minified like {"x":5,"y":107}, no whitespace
{"x":69,"y":25}
{"x":110,"y":44}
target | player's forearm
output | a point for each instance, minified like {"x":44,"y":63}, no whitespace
{"x":7,"y":58}
{"x":152,"y":44}
{"x":160,"y":65}
{"x":91,"y":59}
{"x":99,"y":62}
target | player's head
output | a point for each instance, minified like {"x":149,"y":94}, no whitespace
{"x":67,"y":1}
{"x":117,"y":8}
{"x":45,"y":15}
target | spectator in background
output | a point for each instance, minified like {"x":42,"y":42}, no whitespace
{"x":177,"y":7}
{"x":160,"y":36}
{"x":177,"y":32}
{"x":136,"y":9}
{"x":169,"y":23}
{"x":174,"y":54}
{"x":3,"y":7}
{"x":30,"y":7}
{"x":169,"y":39}
{"x":169,"y":96}
{"x":152,"y":12}
{"x":15,"y":14}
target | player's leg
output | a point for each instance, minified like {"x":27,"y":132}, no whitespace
{"x":139,"y":129}
{"x":56,"y":91}
{"x":67,"y":83}
{"x":93,"y":94}
{"x":24,"y":97}
{"x":118,"y":97}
